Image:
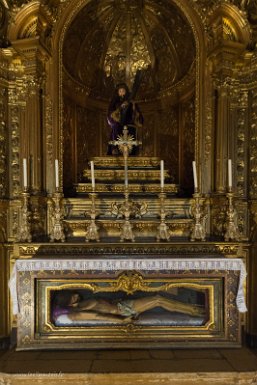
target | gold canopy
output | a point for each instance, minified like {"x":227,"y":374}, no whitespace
{"x":109,"y":41}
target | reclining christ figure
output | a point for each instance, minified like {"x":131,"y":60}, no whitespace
{"x":121,"y":311}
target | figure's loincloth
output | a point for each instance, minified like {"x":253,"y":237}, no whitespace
{"x":126,"y":308}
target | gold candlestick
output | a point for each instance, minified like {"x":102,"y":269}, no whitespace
{"x":57,"y":231}
{"x":126,"y":231}
{"x":126,"y":210}
{"x":163,"y":229}
{"x":25,"y":227}
{"x":92,"y":229}
{"x":125,"y":143}
{"x":199,"y":229}
{"x":232,"y":231}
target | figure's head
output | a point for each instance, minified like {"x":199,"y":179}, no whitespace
{"x":66,"y":298}
{"x":122,"y":90}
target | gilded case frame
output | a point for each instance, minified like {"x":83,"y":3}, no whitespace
{"x":36,"y":330}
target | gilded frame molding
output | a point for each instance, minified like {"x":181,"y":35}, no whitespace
{"x":35,"y":329}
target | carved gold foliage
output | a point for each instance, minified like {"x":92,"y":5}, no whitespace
{"x":129,"y":283}
{"x":253,"y":145}
{"x":38,"y":217}
{"x":17,"y":94}
{"x":3,"y":141}
{"x":120,"y":65}
{"x":242,"y":115}
{"x":15,"y":230}
{"x":218,"y":214}
{"x":49,"y":128}
{"x":28,"y":250}
{"x":109,"y":43}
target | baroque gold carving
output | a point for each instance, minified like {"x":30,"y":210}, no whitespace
{"x":253,"y":145}
{"x":3,"y":141}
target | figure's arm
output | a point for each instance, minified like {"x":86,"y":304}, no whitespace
{"x":114,"y":116}
{"x":89,"y":315}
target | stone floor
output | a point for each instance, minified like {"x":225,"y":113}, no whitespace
{"x":173,"y":366}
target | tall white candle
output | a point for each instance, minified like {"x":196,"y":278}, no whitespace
{"x":92,"y":174}
{"x":162,"y":174}
{"x":25,"y":174}
{"x":56,"y":173}
{"x":230,"y":173}
{"x":195,"y":175}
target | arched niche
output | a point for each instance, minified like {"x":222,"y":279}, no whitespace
{"x":170,"y":98}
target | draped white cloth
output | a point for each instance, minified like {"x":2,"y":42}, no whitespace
{"x":139,"y":264}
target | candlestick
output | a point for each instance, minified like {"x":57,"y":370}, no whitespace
{"x":56,"y":173}
{"x":200,"y":219}
{"x":92,"y":229}
{"x":163,"y":232}
{"x":126,"y":173}
{"x":92,"y":174}
{"x":230,"y":174}
{"x":195,"y":175}
{"x":56,"y":219}
{"x":232,"y":231}
{"x":25,"y":175}
{"x":162,"y":174}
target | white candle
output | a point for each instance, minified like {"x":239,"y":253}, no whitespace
{"x":25,"y":175}
{"x":229,"y":173}
{"x":92,"y":174}
{"x":56,"y":173}
{"x":162,"y":174}
{"x":195,"y":175}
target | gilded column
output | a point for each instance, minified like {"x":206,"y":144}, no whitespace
{"x":221,"y":139}
{"x":3,"y":195}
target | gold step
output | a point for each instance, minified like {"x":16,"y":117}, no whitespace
{"x":141,"y":228}
{"x":133,"y":161}
{"x":132,"y":188}
{"x":133,"y":175}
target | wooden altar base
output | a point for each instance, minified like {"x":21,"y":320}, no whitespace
{"x":127,"y":367}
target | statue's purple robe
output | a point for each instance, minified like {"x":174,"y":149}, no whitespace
{"x":119,"y":116}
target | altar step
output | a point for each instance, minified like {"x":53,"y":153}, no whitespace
{"x":170,"y":188}
{"x":111,"y":228}
{"x":130,"y":367}
{"x":76,"y":208}
{"x":139,"y":378}
{"x":77,"y":216}
{"x":144,"y":190}
{"x":143,"y":175}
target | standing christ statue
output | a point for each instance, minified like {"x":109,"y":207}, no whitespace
{"x":122,"y":112}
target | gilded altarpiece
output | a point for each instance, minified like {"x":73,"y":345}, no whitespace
{"x":61,"y":62}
